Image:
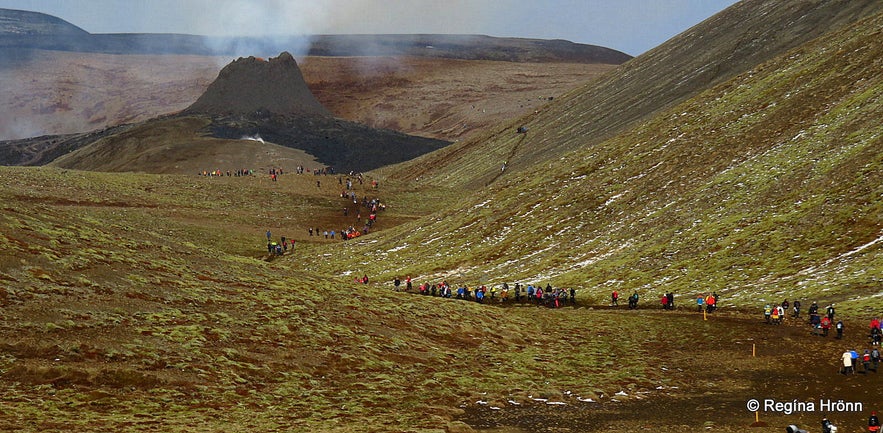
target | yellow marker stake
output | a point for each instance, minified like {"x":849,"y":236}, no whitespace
{"x":704,"y":315}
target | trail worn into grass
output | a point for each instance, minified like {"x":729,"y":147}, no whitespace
{"x":708,"y":375}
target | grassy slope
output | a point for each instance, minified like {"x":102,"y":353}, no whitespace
{"x":768,"y":185}
{"x":142,"y":303}
{"x":712,"y":52}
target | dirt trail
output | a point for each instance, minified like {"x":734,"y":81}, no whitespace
{"x":790,"y":366}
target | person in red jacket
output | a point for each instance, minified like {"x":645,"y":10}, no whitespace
{"x":826,"y":325}
{"x":873,"y":423}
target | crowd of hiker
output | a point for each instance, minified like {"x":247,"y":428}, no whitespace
{"x":362,"y":208}
{"x":552,"y":297}
{"x":218,"y":173}
{"x":869,"y":361}
{"x":279,"y":248}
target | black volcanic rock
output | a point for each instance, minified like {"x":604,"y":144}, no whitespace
{"x":253,"y":84}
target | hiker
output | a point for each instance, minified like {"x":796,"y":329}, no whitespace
{"x":839,"y":328}
{"x":269,"y":235}
{"x":873,"y":422}
{"x":875,"y":359}
{"x":825,"y":325}
{"x":775,"y":318}
{"x":815,"y":321}
{"x":530,"y":292}
{"x":814,"y":313}
{"x":830,"y":312}
{"x":796,"y":308}
{"x":633,"y":301}
{"x":572,"y":296}
{"x":767,"y":313}
{"x":866,"y":361}
{"x":664,"y":301}
{"x":614,"y":298}
{"x":284,"y":244}
{"x":827,"y":427}
{"x":517,"y":292}
{"x":671,"y":300}
{"x":700,"y":300}
{"x":794,"y":429}
{"x":396,"y":282}
{"x":847,"y":362}
{"x":855,"y":359}
{"x":711,"y":303}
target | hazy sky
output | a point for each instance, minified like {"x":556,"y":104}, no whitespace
{"x":631,"y":26}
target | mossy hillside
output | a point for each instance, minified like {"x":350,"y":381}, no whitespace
{"x":765,"y":187}
{"x":726,"y":45}
{"x":144,"y":301}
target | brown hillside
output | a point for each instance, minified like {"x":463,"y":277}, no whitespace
{"x":446,"y":99}
{"x":57,"y":92}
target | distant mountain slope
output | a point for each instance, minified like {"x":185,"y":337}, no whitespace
{"x":729,"y":43}
{"x":25,"y":23}
{"x":764,"y":187}
{"x":467,"y":47}
{"x":33,"y":30}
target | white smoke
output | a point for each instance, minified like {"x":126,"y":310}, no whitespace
{"x":256,"y":137}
